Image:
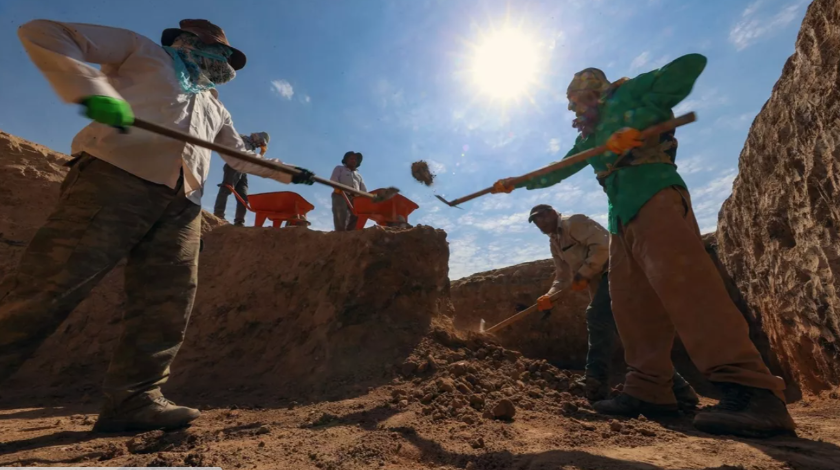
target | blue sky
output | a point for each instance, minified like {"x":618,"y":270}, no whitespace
{"x":392,"y":79}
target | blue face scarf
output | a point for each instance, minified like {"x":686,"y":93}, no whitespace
{"x":199,"y":66}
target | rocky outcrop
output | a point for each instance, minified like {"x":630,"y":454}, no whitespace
{"x":279,"y":312}
{"x":779,"y":232}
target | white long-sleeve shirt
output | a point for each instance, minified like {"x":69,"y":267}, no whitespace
{"x":139,"y":71}
{"x":346,"y":176}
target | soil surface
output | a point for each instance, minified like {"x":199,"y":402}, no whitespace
{"x":469,"y":405}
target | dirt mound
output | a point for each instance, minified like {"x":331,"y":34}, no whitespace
{"x":303,"y":312}
{"x":779,"y":232}
{"x":279,"y":313}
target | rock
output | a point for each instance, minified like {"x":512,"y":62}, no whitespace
{"x":463,"y":388}
{"x":471,"y":466}
{"x":427,"y":398}
{"x":403,"y":403}
{"x":458,"y":369}
{"x":264,"y":429}
{"x":647,"y":432}
{"x":446,"y":385}
{"x":504,"y":410}
{"x":477,"y":443}
{"x":615,"y":426}
{"x":408,"y":368}
{"x":569,"y":407}
{"x":477,"y":401}
{"x":779,"y":232}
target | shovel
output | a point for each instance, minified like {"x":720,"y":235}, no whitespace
{"x":289,"y":170}
{"x":579,"y":157}
{"x":515,"y":318}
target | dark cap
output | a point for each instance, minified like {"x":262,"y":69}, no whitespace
{"x":208,"y":33}
{"x":539,"y":209}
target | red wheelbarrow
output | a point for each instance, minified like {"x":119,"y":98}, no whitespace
{"x":279,"y":207}
{"x":392,"y":212}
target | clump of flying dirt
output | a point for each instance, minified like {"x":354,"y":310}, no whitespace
{"x":421,"y":172}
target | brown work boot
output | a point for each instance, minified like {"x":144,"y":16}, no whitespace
{"x":747,"y":412}
{"x":626,"y":405}
{"x":145,"y":414}
{"x":594,"y":389}
{"x":687,"y":398}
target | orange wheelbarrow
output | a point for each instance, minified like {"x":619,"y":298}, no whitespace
{"x":392,"y":212}
{"x":279,"y":207}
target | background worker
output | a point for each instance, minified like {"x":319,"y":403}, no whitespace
{"x":239,"y":180}
{"x":347,"y":174}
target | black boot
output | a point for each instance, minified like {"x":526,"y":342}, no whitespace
{"x":746,"y":411}
{"x":144,"y":415}
{"x":594,"y":389}
{"x":626,"y":405}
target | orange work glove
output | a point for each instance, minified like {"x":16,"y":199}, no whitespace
{"x":501,"y":187}
{"x":263,"y":149}
{"x":623,"y":140}
{"x":579,"y":283}
{"x":544,"y":303}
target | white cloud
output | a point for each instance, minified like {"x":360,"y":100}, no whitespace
{"x":753,"y":25}
{"x":694,"y":164}
{"x":707,"y":100}
{"x":554,"y":145}
{"x":640,"y":61}
{"x":436,"y":167}
{"x":305,"y":99}
{"x":436,"y":220}
{"x":736,"y":122}
{"x":467,"y":255}
{"x":283,"y":88}
{"x":513,"y":223}
{"x":707,"y":200}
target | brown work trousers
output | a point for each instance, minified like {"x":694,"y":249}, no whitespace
{"x":663,"y":282}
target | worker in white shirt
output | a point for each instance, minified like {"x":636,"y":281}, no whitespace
{"x":128,"y":195}
{"x":347,"y":174}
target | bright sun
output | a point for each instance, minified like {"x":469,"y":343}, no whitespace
{"x":505,"y":64}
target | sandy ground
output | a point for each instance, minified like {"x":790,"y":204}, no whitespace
{"x":371,"y":431}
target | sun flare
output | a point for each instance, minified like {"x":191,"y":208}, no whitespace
{"x":505,"y":64}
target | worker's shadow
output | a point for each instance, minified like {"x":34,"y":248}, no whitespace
{"x":47,"y":440}
{"x":796,"y":452}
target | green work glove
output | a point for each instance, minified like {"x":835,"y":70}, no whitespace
{"x":109,"y":111}
{"x":304,"y":177}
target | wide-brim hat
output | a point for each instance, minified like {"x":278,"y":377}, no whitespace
{"x":208,"y":33}
{"x":350,"y":154}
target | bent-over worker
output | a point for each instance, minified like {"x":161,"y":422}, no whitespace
{"x":130,"y":195}
{"x":580,"y":248}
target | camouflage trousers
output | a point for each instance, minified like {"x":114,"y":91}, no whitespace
{"x":104,"y":215}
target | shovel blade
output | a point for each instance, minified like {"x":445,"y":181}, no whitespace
{"x":446,"y":202}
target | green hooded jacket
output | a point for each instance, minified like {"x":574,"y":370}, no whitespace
{"x":638,"y":103}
